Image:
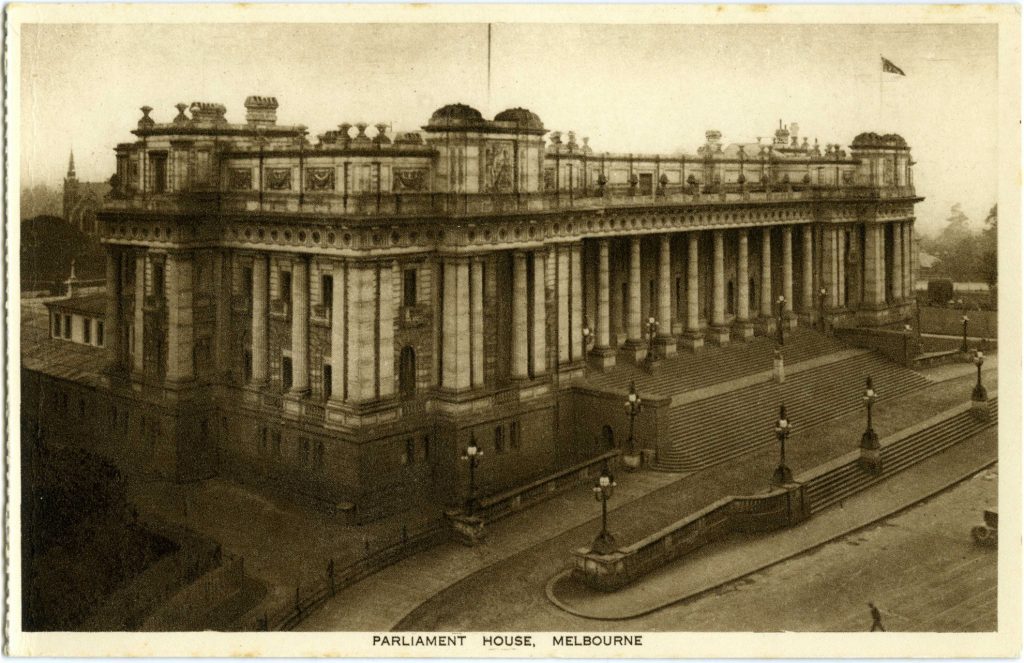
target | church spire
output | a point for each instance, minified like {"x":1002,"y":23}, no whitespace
{"x":71,"y":166}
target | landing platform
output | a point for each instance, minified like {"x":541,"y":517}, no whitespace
{"x":711,"y":365}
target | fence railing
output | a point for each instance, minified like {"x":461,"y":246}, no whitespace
{"x":377,"y":555}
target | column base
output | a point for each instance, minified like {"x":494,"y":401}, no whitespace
{"x":743,"y":330}
{"x":666,"y":346}
{"x":634,"y":350}
{"x":601,"y":358}
{"x":765,"y":326}
{"x":790,"y":319}
{"x":718,"y":335}
{"x":692,"y":340}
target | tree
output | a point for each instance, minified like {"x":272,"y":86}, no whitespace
{"x":988,"y":244}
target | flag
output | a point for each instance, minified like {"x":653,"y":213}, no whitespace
{"x":889,"y":68}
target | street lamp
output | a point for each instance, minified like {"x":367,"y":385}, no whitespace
{"x":472,"y":454}
{"x":782,"y":474}
{"x":652,"y":329}
{"x":633,"y":406}
{"x":979,"y":393}
{"x":588,"y":335}
{"x":781,"y":301}
{"x":822,"y":294}
{"x":906,"y":340}
{"x":870,"y":439}
{"x":963,"y":343}
{"x":603,"y":490}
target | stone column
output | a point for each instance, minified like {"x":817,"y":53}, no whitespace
{"x":742,"y":328}
{"x":665,"y":340}
{"x":338,"y":332}
{"x":910,"y":279}
{"x":603,"y":355}
{"x":539,"y":327}
{"x":361,"y":302}
{"x":694,"y":338}
{"x":386,"y":330}
{"x":807,"y":287}
{"x":222,"y":292}
{"x":897,"y":263}
{"x":139,"y":320}
{"x":178,"y":273}
{"x":767,"y":322}
{"x":476,"y":321}
{"x":635,"y":331}
{"x":576,"y":295}
{"x":260,"y":292}
{"x":787,"y":275}
{"x":718,"y":332}
{"x":841,"y":267}
{"x":520,"y":331}
{"x":562,"y":288}
{"x":455,"y":373}
{"x":828,"y":266}
{"x":112,"y":337}
{"x":874,"y":272}
{"x":300,"y":325}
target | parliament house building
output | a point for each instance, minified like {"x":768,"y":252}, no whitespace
{"x":337,"y":318}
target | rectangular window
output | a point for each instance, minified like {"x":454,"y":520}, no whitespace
{"x":56,"y":325}
{"x":247,"y":282}
{"x":425,"y":448}
{"x":326,"y":290}
{"x":303,"y":451}
{"x":327,"y":381}
{"x":67,"y":326}
{"x":158,"y":164}
{"x":158,"y":278}
{"x":410,"y":452}
{"x":87,"y":331}
{"x":286,"y":287}
{"x":99,"y":333}
{"x":499,"y":439}
{"x":409,"y":287}
{"x":264,"y":439}
{"x":513,"y":435}
{"x":286,"y":373}
{"x":276,"y":443}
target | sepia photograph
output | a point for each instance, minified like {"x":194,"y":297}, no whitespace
{"x":513,"y":331}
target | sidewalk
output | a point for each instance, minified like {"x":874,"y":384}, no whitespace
{"x":738,"y":556}
{"x":534,"y":540}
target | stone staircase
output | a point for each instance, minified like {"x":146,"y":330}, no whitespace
{"x":720,"y":428}
{"x":711,"y":365}
{"x":839,"y":484}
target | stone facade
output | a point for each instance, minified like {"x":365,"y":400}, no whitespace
{"x":338,"y":319}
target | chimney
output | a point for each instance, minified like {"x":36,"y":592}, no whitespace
{"x":261,"y":111}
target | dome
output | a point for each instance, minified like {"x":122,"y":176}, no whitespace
{"x":521,"y":117}
{"x":870,"y":139}
{"x":456,"y":113}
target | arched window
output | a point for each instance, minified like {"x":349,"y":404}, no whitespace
{"x":407,"y":371}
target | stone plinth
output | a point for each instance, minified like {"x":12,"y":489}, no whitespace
{"x":870,"y":452}
{"x":466,"y":529}
{"x":692,"y":340}
{"x":602,"y":358}
{"x":980,"y":409}
{"x":718,"y":335}
{"x":743,"y":330}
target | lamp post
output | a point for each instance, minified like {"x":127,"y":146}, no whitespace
{"x":633,"y":406}
{"x":781,"y":301}
{"x":822,"y":294}
{"x":979,"y":393}
{"x":588,"y":335}
{"x":906,"y":342}
{"x":472,"y":454}
{"x":963,"y":342}
{"x":604,"y":488}
{"x":870,"y":439}
{"x":782,"y":474}
{"x":652,"y":329}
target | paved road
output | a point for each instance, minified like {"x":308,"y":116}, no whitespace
{"x":920,"y":567}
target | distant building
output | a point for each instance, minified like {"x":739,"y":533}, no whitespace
{"x":79,"y":319}
{"x":82,"y":200}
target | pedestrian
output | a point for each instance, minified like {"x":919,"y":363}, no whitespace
{"x":876,"y":618}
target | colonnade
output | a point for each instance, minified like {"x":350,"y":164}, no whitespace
{"x":548,"y":292}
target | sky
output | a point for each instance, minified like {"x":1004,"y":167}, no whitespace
{"x":630,"y":88}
